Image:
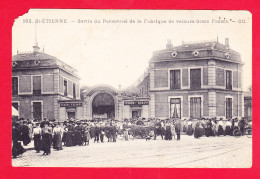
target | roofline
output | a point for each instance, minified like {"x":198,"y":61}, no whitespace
{"x":48,"y":67}
{"x":191,"y":59}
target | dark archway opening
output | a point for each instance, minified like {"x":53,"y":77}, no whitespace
{"x":103,"y":106}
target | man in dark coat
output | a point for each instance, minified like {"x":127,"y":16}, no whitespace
{"x":178,"y":129}
{"x":158,"y":129}
{"x":25,"y":134}
{"x":96,"y":133}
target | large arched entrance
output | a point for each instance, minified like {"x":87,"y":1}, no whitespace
{"x":103,"y":106}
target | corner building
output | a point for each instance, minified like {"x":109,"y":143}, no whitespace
{"x":44,"y":86}
{"x":196,"y":80}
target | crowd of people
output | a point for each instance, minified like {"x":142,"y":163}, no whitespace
{"x":214,"y":127}
{"x":49,"y":133}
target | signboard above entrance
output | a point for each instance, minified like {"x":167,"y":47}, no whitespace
{"x":70,"y":104}
{"x":136,"y":103}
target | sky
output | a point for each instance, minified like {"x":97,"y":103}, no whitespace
{"x":118,"y":53}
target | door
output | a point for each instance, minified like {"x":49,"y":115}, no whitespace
{"x":136,"y":113}
{"x":195,"y":108}
{"x":71,"y":115}
{"x":37,"y":111}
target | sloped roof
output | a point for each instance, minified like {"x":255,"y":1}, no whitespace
{"x":33,"y":56}
{"x":206,"y":49}
{"x":201,"y":45}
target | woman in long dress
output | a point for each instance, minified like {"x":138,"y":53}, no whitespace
{"x":17,"y":148}
{"x":196,"y":131}
{"x":46,"y":139}
{"x":190,"y":128}
{"x":86,"y":135}
{"x":168,"y":133}
{"x":57,"y":131}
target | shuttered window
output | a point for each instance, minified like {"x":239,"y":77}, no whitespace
{"x":175,"y":82}
{"x":14,"y":85}
{"x":228,"y":79}
{"x":74,"y":90}
{"x":195,"y":108}
{"x":65,"y":88}
{"x":37,"y":110}
{"x":195,"y":78}
{"x":36,"y":84}
{"x":228,"y":108}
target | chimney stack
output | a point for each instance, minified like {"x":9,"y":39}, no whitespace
{"x":36,"y":48}
{"x":169,"y":44}
{"x":227,"y":42}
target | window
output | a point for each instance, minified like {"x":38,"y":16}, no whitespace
{"x":74,"y":90}
{"x":37,"y":110}
{"x":175,"y":82}
{"x":65,"y":88}
{"x":14,"y":85}
{"x":195,"y":108}
{"x":228,"y":79}
{"x":228,"y":108}
{"x":36,"y":84}
{"x":195,"y":78}
{"x":175,"y":108}
{"x":15,"y":105}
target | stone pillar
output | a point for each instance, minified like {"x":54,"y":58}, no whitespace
{"x":211,"y":74}
{"x":152,"y":105}
{"x":212,"y":104}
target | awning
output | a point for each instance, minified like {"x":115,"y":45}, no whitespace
{"x":14,"y":112}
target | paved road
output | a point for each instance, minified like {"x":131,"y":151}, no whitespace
{"x":216,"y":152}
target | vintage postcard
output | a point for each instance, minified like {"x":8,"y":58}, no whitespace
{"x":132,"y":88}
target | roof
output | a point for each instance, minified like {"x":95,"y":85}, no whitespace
{"x":36,"y":60}
{"x":33,"y":56}
{"x":207,"y":48}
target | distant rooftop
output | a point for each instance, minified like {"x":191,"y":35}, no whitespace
{"x":37,"y":59}
{"x":193,"y":50}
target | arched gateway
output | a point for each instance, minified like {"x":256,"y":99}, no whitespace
{"x":102,"y":103}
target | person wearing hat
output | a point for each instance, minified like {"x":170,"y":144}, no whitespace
{"x":86,"y":135}
{"x":46,"y":138}
{"x":189,"y":128}
{"x":196,"y":130}
{"x":37,"y":131}
{"x":78,"y":133}
{"x":25,"y":133}
{"x":178,"y":129}
{"x":228,"y":125}
{"x":57,"y":135}
{"x":70,"y":134}
{"x":220,"y":127}
{"x":17,"y":148}
{"x":96,"y":133}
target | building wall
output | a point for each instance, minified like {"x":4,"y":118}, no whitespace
{"x":25,"y":80}
{"x":70,"y":81}
{"x":236,"y":103}
{"x":25,"y":107}
{"x":162,"y":103}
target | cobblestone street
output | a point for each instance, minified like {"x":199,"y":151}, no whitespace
{"x":216,"y":152}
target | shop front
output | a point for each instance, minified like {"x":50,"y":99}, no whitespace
{"x":72,"y":109}
{"x":136,"y":108}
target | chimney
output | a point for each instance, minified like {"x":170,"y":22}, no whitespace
{"x":227,"y":42}
{"x":169,"y":44}
{"x":36,"y":48}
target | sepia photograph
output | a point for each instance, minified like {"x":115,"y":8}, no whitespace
{"x":132,"y":88}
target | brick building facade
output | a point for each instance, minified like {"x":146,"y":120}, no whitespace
{"x":196,"y":80}
{"x":41,"y":84}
